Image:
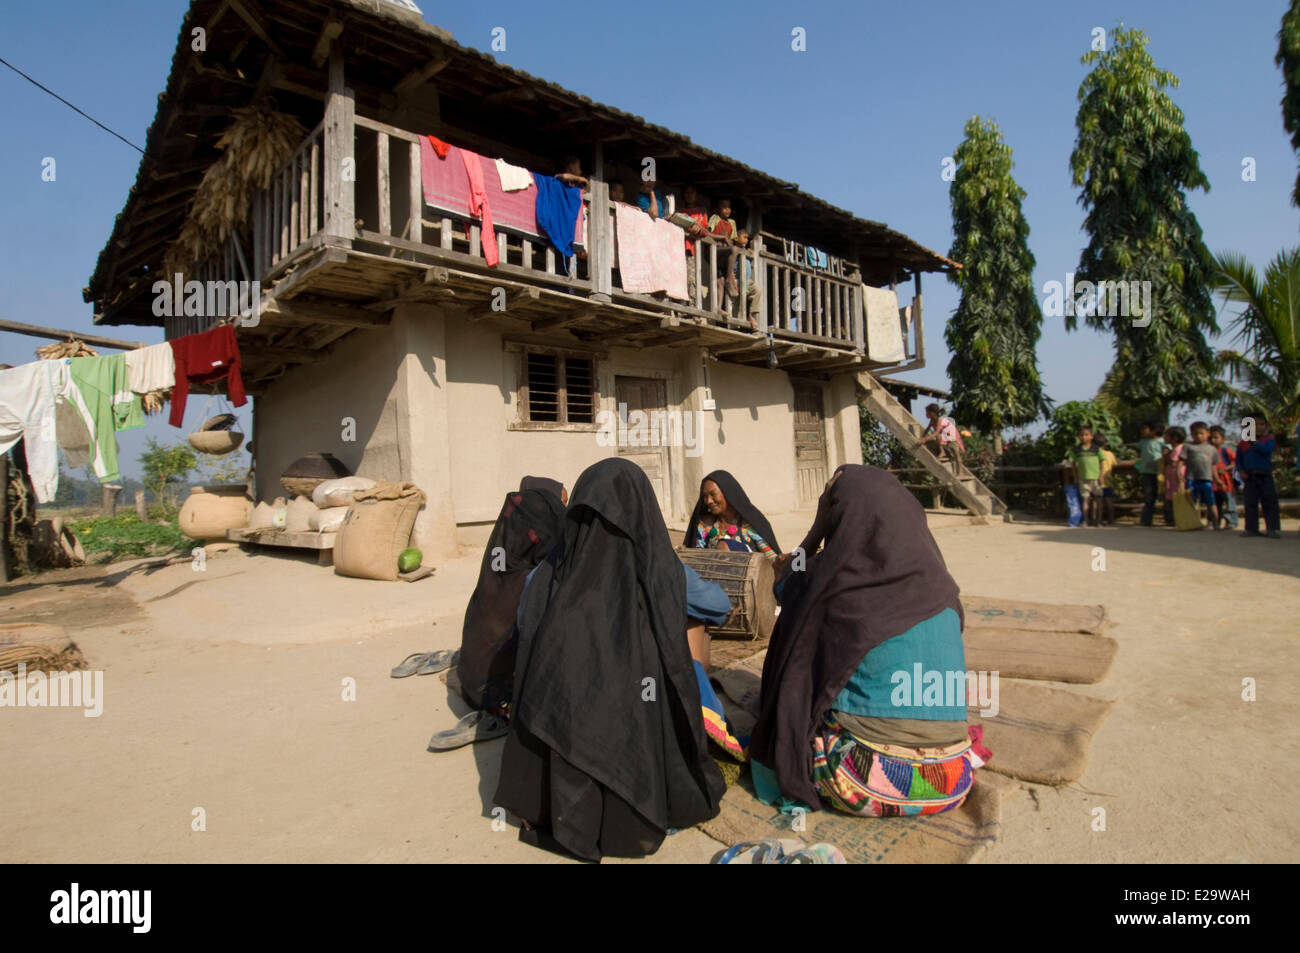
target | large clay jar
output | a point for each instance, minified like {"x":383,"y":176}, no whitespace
{"x":211,"y":510}
{"x":310,"y":470}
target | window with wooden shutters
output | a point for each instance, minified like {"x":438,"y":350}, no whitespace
{"x":557,"y":387}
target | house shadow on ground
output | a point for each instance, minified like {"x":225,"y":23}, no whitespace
{"x":1222,"y":548}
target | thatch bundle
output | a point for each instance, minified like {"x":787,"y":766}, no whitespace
{"x":153,"y":401}
{"x":69,"y":348}
{"x":255,"y":146}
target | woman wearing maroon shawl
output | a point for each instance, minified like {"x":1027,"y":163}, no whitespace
{"x":863,"y":694}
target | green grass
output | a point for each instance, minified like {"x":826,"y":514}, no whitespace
{"x":125,"y":536}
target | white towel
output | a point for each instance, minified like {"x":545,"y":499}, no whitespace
{"x":151,"y":368}
{"x":884,"y":332}
{"x":513,"y":178}
{"x":28,"y":400}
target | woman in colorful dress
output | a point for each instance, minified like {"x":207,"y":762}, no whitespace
{"x":724,"y":518}
{"x":875,"y":603}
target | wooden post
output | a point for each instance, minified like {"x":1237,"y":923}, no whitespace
{"x":340,"y":106}
{"x":141,"y":510}
{"x":760,"y":282}
{"x":6,"y":573}
{"x":415,"y":231}
{"x":598,"y":229}
{"x":385,"y":184}
{"x":918,"y":329}
{"x":109,"y":494}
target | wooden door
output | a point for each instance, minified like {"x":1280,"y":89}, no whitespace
{"x":809,"y":443}
{"x":648,"y":396}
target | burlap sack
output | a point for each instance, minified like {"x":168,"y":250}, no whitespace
{"x":298,"y":515}
{"x":376,"y":530}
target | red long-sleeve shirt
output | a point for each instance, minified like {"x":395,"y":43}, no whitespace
{"x":202,"y":358}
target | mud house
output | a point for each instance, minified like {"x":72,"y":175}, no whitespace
{"x":385,"y":336}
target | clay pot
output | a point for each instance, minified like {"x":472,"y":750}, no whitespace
{"x":309,"y":471}
{"x":209,"y":511}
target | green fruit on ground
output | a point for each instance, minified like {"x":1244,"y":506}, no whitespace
{"x":409,"y":560}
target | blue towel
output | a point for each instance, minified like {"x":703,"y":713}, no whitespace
{"x":817,"y":258}
{"x":557,"y":212}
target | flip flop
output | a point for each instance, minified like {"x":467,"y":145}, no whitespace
{"x":439,"y":661}
{"x":410,"y":665}
{"x":476,"y":726}
{"x":816,"y":854}
{"x":769,"y":850}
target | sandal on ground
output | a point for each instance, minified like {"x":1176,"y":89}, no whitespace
{"x":439,"y":661}
{"x":769,"y":850}
{"x":410,"y":665}
{"x":476,"y":726}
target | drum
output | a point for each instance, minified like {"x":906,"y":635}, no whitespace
{"x":747,"y":579}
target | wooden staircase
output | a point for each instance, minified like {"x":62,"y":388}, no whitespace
{"x":969,"y":491}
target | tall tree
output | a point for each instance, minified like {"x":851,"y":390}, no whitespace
{"x":1135,"y":163}
{"x":1288,"y":57}
{"x":993,"y":332}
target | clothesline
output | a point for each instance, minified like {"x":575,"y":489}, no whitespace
{"x":80,"y":403}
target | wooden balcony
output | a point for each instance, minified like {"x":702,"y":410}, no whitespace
{"x":332,"y":238}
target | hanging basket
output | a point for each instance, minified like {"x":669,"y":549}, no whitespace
{"x":216,"y":436}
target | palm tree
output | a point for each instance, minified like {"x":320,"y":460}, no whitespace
{"x":1267,"y":332}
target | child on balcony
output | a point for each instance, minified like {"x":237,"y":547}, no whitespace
{"x":723,"y":226}
{"x":738,"y":257}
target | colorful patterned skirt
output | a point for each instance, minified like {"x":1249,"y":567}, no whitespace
{"x":875,"y":780}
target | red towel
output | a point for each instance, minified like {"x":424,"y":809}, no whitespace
{"x":202,"y":358}
{"x":478,"y":204}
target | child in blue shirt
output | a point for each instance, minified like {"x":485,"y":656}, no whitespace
{"x":1255,"y":464}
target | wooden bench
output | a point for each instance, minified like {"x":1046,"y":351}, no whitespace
{"x":323,"y":543}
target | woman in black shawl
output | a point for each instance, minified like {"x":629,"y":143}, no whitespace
{"x":863,"y":692}
{"x":527,"y":528}
{"x":725,"y":519}
{"x":607,"y":748}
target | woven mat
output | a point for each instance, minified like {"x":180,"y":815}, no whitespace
{"x":1041,"y":734}
{"x":957,"y":837}
{"x":983,"y":612}
{"x":1049,"y":656}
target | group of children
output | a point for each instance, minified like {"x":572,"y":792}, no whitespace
{"x":1204,"y":465}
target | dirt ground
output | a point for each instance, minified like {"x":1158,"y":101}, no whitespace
{"x":224,"y":691}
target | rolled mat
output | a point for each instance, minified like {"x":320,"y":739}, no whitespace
{"x":982,"y":612}
{"x":956,"y":837}
{"x":1047,"y":656}
{"x":1041,"y":734}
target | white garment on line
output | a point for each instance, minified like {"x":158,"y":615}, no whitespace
{"x":151,"y":368}
{"x":28,"y":409}
{"x":513,"y":178}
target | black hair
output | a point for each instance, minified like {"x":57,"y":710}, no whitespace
{"x":1198,"y":425}
{"x":1219,"y":430}
{"x":1177,"y":434}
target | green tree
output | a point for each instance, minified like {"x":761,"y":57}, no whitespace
{"x":1267,"y":330}
{"x":1069,"y":417}
{"x":1134,"y":163}
{"x":165,"y":466}
{"x":1288,"y":57}
{"x":993,"y":333}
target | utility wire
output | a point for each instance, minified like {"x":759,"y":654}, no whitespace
{"x":70,"y":106}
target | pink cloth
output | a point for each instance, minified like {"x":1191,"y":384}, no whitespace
{"x":651,"y":253}
{"x":479,"y":205}
{"x":446,"y":187}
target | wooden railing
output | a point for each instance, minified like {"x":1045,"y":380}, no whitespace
{"x":288,"y":213}
{"x":383,"y":203}
{"x":810,"y":303}
{"x":230,"y":267}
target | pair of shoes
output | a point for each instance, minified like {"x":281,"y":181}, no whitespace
{"x":1275,"y":534}
{"x":1245,"y":533}
{"x":476,"y":726}
{"x":426,"y":663}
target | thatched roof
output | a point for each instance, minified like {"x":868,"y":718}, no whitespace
{"x":411,"y":74}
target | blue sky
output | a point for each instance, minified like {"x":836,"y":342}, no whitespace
{"x":863,"y":118}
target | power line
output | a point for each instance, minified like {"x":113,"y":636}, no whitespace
{"x":70,"y":106}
